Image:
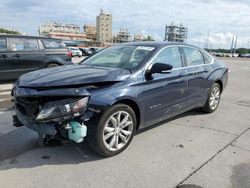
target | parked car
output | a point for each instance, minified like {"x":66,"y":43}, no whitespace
{"x":22,"y":54}
{"x":95,"y":49}
{"x":245,"y":55}
{"x":86,"y":51}
{"x":75,"y":51}
{"x":117,"y":91}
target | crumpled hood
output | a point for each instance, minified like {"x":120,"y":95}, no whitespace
{"x":71,"y":75}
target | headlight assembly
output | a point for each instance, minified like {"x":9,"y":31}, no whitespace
{"x":59,"y":109}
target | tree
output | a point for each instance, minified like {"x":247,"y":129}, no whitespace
{"x":6,"y":31}
{"x":148,"y":38}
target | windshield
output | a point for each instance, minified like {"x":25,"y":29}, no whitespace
{"x":126,"y":57}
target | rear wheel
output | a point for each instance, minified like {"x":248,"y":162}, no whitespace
{"x":114,"y":130}
{"x":213,"y":99}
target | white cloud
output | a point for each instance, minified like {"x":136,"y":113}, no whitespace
{"x":219,"y":17}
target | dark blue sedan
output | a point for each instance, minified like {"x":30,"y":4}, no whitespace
{"x":119,"y":90}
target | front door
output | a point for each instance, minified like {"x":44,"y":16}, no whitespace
{"x":164,"y":95}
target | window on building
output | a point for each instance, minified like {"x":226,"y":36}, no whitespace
{"x":20,"y":44}
{"x":193,"y":56}
{"x":2,"y":45}
{"x":170,"y":55}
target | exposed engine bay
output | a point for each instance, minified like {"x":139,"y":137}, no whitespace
{"x":53,"y":116}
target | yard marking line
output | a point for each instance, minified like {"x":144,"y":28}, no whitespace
{"x":5,"y":99}
{"x":6,"y":87}
{"x":4,"y":93}
{"x":210,"y":159}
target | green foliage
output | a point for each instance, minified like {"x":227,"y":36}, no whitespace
{"x":238,"y":51}
{"x":148,"y":38}
{"x":243,"y":51}
{"x":6,"y":31}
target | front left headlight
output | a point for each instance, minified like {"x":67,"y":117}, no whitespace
{"x":55,"y":110}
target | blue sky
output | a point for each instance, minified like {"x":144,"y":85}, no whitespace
{"x":221,"y":18}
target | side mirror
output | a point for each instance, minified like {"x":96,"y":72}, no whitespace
{"x":160,"y":68}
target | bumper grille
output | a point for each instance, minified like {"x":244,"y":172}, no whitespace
{"x":27,"y":106}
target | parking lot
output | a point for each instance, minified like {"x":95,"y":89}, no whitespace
{"x":195,"y":149}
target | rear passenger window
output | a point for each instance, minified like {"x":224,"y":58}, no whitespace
{"x":170,"y":55}
{"x":19,"y":44}
{"x":2,"y":45}
{"x":207,"y":58}
{"x":193,"y":56}
{"x":48,"y":43}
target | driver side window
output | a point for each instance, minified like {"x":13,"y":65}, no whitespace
{"x":171,"y":56}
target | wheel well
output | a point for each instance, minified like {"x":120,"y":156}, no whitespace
{"x":220,"y":83}
{"x":49,"y":63}
{"x":135,"y":107}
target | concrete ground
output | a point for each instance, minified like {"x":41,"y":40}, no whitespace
{"x":190,"y":151}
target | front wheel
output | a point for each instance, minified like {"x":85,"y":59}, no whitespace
{"x":114,"y":130}
{"x":213,"y":99}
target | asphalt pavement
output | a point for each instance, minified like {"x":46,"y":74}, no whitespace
{"x":190,"y":151}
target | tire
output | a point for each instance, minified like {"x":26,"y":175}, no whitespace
{"x":213,"y":100}
{"x":52,"y":65}
{"x":107,"y":140}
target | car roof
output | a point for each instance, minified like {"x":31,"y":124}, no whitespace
{"x":25,"y":36}
{"x":157,"y":44}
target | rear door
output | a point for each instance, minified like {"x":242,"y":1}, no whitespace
{"x":25,"y":55}
{"x":55,"y":51}
{"x":197,"y":73}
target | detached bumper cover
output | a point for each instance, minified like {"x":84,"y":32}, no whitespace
{"x":41,"y":128}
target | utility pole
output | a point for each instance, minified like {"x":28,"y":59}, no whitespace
{"x":200,"y":40}
{"x":232,"y":45}
{"x":208,"y":36}
{"x":235,"y":44}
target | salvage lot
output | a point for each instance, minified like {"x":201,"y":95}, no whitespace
{"x":207,"y":150}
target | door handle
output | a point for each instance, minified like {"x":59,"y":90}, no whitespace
{"x":3,"y":56}
{"x":16,"y":55}
{"x":206,"y":70}
{"x":182,"y":73}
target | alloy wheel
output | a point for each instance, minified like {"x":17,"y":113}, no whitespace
{"x":214,"y":98}
{"x":117,"y":130}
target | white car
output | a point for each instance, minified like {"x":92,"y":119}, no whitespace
{"x":75,"y":51}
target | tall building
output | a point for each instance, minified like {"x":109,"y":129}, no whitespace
{"x":122,"y":36}
{"x":174,"y":33}
{"x":104,"y":27}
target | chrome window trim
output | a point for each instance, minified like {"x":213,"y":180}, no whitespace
{"x":149,"y":63}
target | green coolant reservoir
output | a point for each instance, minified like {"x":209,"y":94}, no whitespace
{"x":77,"y":132}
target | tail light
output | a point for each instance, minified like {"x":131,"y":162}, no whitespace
{"x":69,"y":54}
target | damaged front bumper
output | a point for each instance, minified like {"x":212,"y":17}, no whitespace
{"x":54,"y":112}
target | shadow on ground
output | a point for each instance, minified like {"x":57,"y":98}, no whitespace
{"x":24,"y":140}
{"x":241,"y":174}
